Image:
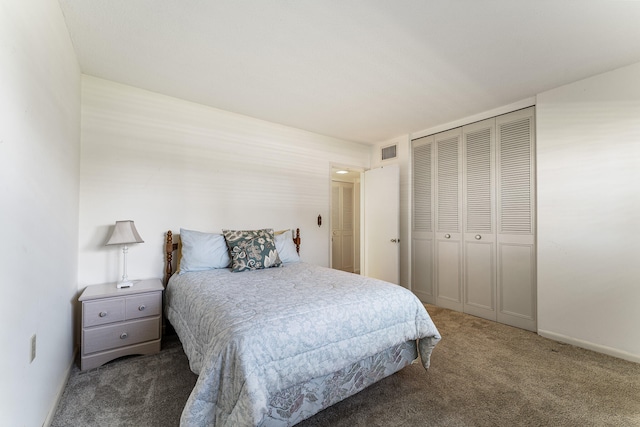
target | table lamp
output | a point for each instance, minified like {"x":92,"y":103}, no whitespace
{"x":124,"y":233}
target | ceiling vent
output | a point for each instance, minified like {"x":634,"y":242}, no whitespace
{"x":389,"y":152}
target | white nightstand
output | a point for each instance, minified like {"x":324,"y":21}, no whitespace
{"x":120,"y":322}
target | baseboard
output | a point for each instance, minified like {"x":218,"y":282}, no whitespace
{"x":54,"y":407}
{"x":590,"y":346}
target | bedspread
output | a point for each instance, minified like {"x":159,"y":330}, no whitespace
{"x":248,"y":335}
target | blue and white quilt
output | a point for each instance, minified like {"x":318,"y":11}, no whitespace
{"x":250,"y":335}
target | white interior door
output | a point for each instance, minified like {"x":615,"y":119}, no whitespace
{"x":381,"y":228}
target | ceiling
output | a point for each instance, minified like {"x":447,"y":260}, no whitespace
{"x":359,"y":70}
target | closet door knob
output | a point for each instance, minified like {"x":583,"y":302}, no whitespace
{"x":447,"y":236}
{"x":478,"y":237}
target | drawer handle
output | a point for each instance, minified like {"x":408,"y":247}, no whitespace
{"x":103,"y":314}
{"x":123,"y":335}
{"x":142,"y":307}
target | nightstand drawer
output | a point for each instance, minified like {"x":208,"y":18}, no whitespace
{"x":103,"y":311}
{"x":143,"y":305}
{"x":120,"y":335}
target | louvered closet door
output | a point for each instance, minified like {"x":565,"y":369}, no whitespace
{"x":342,"y":223}
{"x":515,"y":137}
{"x":479,"y":219}
{"x":422,"y":226}
{"x":448,"y":220}
{"x":347,"y":227}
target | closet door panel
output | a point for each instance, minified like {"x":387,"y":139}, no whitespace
{"x":336,"y":232}
{"x":480,"y":280}
{"x":423,"y":269}
{"x":347,"y":249}
{"x":448,"y":274}
{"x":479,"y":219}
{"x":342,"y":222}
{"x":422,"y":220}
{"x":515,"y":143}
{"x":448,"y":211}
{"x":517,"y":293}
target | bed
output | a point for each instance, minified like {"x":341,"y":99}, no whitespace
{"x":276,"y":344}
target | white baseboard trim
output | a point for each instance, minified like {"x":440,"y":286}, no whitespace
{"x":54,"y":407}
{"x":590,"y":346}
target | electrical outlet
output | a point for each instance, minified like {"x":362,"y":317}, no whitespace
{"x":33,"y":347}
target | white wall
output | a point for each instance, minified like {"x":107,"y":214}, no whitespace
{"x":39,"y":175}
{"x":588,"y":154}
{"x":167,"y":163}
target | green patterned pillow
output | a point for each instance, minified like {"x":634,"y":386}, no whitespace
{"x":251,"y":249}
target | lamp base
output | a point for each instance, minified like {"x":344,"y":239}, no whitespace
{"x":125,"y":284}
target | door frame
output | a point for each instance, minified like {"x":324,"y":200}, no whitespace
{"x":359,"y":170}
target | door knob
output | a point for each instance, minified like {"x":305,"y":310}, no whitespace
{"x":447,"y":236}
{"x":478,"y":237}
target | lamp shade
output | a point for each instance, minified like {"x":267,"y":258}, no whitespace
{"x":124,"y":233}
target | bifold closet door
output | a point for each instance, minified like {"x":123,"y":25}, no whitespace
{"x":516,"y":281}
{"x":473,"y":231}
{"x":448,"y":219}
{"x":422,"y":220}
{"x":479,"y":219}
{"x":342,"y":221}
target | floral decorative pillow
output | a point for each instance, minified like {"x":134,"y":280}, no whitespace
{"x":251,"y":249}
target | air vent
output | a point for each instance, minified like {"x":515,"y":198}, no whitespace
{"x":389,"y":152}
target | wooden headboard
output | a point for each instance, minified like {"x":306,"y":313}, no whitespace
{"x":170,"y":246}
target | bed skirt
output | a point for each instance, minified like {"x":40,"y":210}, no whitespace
{"x":301,"y":401}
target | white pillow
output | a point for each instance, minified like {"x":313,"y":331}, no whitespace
{"x":202,"y":251}
{"x":285,"y":247}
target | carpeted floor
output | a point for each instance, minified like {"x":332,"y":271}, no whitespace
{"x":132,"y":391}
{"x":482,"y":374}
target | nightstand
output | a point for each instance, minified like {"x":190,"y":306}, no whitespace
{"x":120,"y":322}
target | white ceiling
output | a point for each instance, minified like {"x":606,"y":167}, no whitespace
{"x":360,"y":70}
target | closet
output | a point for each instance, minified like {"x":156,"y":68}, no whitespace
{"x":473,"y":231}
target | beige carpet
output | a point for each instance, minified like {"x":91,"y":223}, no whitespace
{"x":482,"y":374}
{"x":487,"y":374}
